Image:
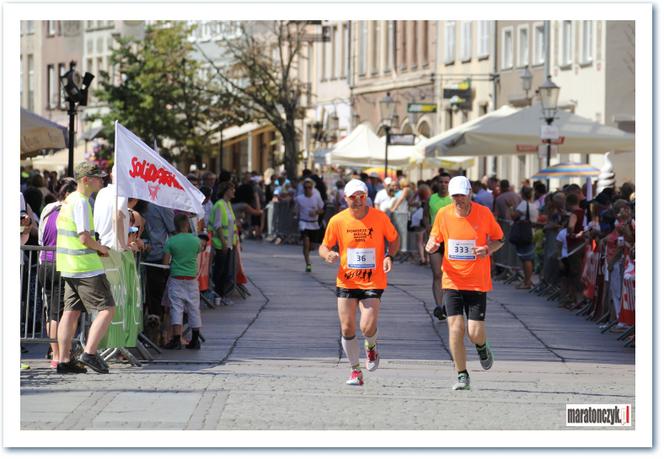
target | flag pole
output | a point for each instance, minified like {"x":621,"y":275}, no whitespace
{"x":115,"y":183}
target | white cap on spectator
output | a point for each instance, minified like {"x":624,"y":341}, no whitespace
{"x":459,"y":185}
{"x":387,"y":181}
{"x":354,"y":186}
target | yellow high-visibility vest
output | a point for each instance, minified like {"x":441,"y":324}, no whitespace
{"x":224,"y":210}
{"x":72,"y":257}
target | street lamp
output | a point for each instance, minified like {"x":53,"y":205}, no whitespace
{"x":77,"y":94}
{"x":387,"y":106}
{"x":526,"y":80}
{"x":549,"y":93}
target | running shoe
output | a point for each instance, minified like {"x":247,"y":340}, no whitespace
{"x":486,"y":356}
{"x":73,"y":366}
{"x":54,"y":364}
{"x":25,"y":366}
{"x":93,"y":361}
{"x":463,"y":382}
{"x":307,"y":269}
{"x":440,"y":312}
{"x":194,"y":345}
{"x":355,"y":378}
{"x":173,"y":344}
{"x":373,"y":359}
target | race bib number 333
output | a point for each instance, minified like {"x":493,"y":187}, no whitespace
{"x":459,"y":249}
{"x":361,"y":258}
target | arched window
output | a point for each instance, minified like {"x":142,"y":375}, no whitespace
{"x":424,"y":129}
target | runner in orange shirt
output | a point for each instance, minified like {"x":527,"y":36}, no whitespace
{"x":359,"y":232}
{"x":470,"y":234}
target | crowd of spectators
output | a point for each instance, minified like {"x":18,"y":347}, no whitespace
{"x":572,"y":233}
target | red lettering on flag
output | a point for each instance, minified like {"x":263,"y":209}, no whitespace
{"x":150,"y":173}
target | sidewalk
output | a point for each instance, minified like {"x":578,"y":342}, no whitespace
{"x":269,"y":359}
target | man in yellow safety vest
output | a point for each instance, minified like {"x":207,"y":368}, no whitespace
{"x":86,"y":286}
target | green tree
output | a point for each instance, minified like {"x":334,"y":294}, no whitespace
{"x":156,"y":92}
{"x":262,"y":74}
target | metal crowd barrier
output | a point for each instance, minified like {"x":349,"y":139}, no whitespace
{"x":285,"y":221}
{"x":42,"y":291}
{"x":507,"y":258}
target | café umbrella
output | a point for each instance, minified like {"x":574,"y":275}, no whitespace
{"x":567,"y":170}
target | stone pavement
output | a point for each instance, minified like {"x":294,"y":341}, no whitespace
{"x":274,"y":361}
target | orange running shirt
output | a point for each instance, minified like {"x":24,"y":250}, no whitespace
{"x":361,"y":248}
{"x":461,"y":269}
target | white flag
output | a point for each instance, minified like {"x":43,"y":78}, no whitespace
{"x":143,"y":174}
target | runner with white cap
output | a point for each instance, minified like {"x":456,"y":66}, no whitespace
{"x":359,"y":232}
{"x":470,"y":234}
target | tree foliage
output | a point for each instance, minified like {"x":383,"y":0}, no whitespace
{"x":262,"y":74}
{"x":157,"y":92}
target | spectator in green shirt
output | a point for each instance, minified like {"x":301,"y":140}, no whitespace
{"x":181,"y":252}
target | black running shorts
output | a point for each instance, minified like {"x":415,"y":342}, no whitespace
{"x":459,"y":301}
{"x":359,"y":294}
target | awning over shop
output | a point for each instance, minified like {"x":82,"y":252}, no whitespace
{"x":509,"y":131}
{"x":39,"y":133}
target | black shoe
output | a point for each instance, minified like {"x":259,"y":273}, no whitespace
{"x":93,"y":361}
{"x":73,"y":366}
{"x":193,"y":345}
{"x":173,"y":344}
{"x":440,"y":313}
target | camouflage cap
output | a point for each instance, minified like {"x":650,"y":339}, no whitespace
{"x":86,"y":169}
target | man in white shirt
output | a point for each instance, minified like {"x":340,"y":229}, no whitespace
{"x":309,"y":206}
{"x":105,"y":224}
{"x":383,"y":199}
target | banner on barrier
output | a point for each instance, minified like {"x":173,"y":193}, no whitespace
{"x":127,"y":323}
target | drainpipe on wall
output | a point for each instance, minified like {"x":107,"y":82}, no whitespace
{"x":350,"y":70}
{"x":436,"y":85}
{"x":494,"y":160}
{"x":547,"y":48}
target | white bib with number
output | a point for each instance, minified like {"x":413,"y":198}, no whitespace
{"x":361,"y":258}
{"x":459,"y":249}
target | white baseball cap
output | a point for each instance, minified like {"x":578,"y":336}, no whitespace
{"x":459,"y":185}
{"x":387,"y":181}
{"x":354,"y":186}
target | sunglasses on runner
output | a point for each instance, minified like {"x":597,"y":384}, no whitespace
{"x":357,"y":196}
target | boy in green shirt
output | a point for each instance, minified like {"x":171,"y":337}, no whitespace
{"x":181,"y":252}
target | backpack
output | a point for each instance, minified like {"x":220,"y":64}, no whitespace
{"x":521,"y":232}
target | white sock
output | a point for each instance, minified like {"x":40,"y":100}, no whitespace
{"x":352,"y":350}
{"x":371,"y":340}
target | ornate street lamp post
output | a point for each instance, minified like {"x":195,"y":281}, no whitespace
{"x":77,"y":94}
{"x":526,"y":81}
{"x":549,"y":93}
{"x":387,"y":107}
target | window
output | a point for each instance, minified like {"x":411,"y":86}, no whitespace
{"x":29,"y":27}
{"x":52,"y":28}
{"x":362,"y":55}
{"x":587,"y":44}
{"x":342,"y":50}
{"x":404,"y":44}
{"x":414,"y":58}
{"x":539,"y":45}
{"x":450,"y":41}
{"x":100,"y":45}
{"x":566,"y":48}
{"x":483,"y":34}
{"x":333,"y":52}
{"x":100,"y":64}
{"x":61,"y":71}
{"x":31,"y":82}
{"x":466,"y":40}
{"x":323,"y":61}
{"x":89,"y":24}
{"x":523,"y":46}
{"x":388,"y":45}
{"x":375,"y":40}
{"x":425,"y":43}
{"x":52,"y":89}
{"x":506,"y":60}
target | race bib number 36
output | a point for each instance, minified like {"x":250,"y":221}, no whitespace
{"x":361,"y":258}
{"x":458,"y":249}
